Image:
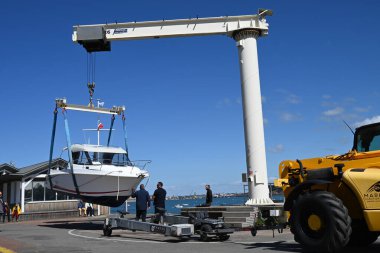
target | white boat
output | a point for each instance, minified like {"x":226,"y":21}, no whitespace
{"x":101,"y":175}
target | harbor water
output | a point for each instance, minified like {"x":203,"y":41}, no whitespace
{"x":174,"y":206}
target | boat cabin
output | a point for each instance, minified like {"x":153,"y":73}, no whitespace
{"x":99,"y":155}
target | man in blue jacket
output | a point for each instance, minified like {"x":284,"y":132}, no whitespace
{"x":142,"y":202}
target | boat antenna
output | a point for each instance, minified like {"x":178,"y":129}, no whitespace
{"x":352,"y":131}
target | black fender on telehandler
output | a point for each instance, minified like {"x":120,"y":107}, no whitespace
{"x":300,"y":188}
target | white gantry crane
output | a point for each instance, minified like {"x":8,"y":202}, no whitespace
{"x":245,"y":30}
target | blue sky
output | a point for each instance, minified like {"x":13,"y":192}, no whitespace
{"x":319,"y":65}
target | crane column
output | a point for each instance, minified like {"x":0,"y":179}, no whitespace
{"x":246,"y":41}
{"x":245,"y":30}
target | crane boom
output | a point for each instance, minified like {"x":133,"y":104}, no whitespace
{"x":245,"y":30}
{"x":98,"y":37}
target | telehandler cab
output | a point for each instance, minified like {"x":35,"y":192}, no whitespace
{"x":334,"y":201}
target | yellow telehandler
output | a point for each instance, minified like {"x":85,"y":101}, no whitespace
{"x":334,"y":201}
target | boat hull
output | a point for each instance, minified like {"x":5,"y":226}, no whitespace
{"x":107,"y":190}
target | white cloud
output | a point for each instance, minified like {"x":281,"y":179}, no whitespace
{"x":362,"y":109}
{"x":263,"y":99}
{"x":334,"y":112}
{"x":293,"y":99}
{"x":326,"y":96}
{"x":367,"y":121}
{"x":328,"y":103}
{"x":226,"y":102}
{"x":265,"y":121}
{"x":350,"y":100}
{"x":279,"y":148}
{"x":290,"y":98}
{"x":289,"y":117}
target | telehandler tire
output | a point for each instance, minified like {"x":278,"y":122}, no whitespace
{"x":320,"y":222}
{"x":361,"y":236}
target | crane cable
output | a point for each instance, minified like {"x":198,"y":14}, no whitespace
{"x":91,"y":64}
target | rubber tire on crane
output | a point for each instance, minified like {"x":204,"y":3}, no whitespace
{"x":361,"y":236}
{"x":333,"y":228}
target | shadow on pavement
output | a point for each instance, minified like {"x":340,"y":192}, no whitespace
{"x":73,"y":225}
{"x":283,"y":246}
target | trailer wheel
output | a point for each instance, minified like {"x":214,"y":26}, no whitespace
{"x":224,"y":237}
{"x":361,"y":236}
{"x":107,"y":230}
{"x":319,"y":220}
{"x":253,"y":231}
{"x":205,"y":229}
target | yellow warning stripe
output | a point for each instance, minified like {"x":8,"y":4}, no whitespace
{"x":5,"y":250}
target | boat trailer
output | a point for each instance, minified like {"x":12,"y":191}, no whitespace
{"x":172,"y":225}
{"x":180,"y":229}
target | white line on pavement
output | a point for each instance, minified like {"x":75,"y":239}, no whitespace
{"x":71,"y":232}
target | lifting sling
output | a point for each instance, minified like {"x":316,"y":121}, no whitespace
{"x":62,"y":104}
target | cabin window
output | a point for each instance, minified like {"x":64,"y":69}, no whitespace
{"x":96,"y":158}
{"x":76,"y":156}
{"x":82,"y":158}
{"x":368,"y":139}
{"x":38,"y":191}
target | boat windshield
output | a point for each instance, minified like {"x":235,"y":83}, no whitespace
{"x":97,"y":158}
{"x":368,"y":139}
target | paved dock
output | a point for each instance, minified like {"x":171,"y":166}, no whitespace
{"x":86,"y":235}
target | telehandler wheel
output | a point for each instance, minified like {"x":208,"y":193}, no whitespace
{"x":320,"y":221}
{"x":361,"y":236}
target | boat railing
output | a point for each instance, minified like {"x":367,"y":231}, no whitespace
{"x":137,"y":163}
{"x":140,"y":163}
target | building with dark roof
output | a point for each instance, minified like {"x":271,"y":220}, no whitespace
{"x":28,"y":184}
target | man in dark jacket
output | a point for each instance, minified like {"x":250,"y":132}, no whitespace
{"x":159,"y":197}
{"x":142,"y":202}
{"x":208,"y":195}
{"x":1,"y":203}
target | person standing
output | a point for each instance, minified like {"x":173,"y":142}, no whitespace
{"x":159,"y":197}
{"x":208,"y":195}
{"x":142,"y":202}
{"x":6,"y":212}
{"x":16,"y":210}
{"x":1,"y":205}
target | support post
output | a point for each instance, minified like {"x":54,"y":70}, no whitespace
{"x":258,"y":191}
{"x":23,"y":185}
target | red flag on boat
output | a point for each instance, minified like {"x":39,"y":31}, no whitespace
{"x":100,"y":125}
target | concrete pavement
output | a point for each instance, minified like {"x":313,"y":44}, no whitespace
{"x":86,"y":235}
